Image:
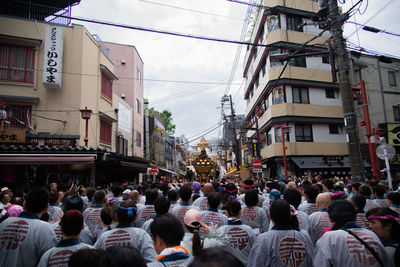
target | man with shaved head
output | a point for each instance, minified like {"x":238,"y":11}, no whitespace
{"x":134,"y":196}
{"x":319,"y":220}
{"x":202,"y":202}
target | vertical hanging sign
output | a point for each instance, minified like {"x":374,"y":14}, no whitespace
{"x":53,"y":56}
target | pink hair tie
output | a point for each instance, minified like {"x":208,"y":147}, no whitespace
{"x":336,"y":194}
{"x":386,"y":217}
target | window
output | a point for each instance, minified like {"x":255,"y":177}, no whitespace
{"x":138,"y":139}
{"x":294,"y":23}
{"x":298,"y":62}
{"x":106,"y":86}
{"x":256,"y":82}
{"x":263,"y":69}
{"x":138,"y":108}
{"x":300,"y":95}
{"x":260,"y":41}
{"x":269,"y":139}
{"x":392,"y":78}
{"x":19,"y":116}
{"x":139,"y":76}
{"x":105,"y":132}
{"x":303,"y":133}
{"x":325,"y":60}
{"x":122,"y":145}
{"x":330,"y":93}
{"x":396,"y":113}
{"x":335,"y":129}
{"x":16,"y":63}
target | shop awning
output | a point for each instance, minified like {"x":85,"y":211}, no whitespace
{"x":139,"y":166}
{"x":168,"y":171}
{"x":319,"y":163}
{"x":46,"y":160}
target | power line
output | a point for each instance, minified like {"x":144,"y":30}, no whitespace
{"x":139,"y":28}
{"x":247,"y":4}
{"x":204,"y":134}
{"x":373,"y":29}
{"x":191,"y":10}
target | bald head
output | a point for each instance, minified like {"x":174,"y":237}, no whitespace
{"x":208,"y":188}
{"x":323,"y":201}
{"x":134,"y":196}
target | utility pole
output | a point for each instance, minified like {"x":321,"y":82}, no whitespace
{"x":236,"y":147}
{"x":343,"y":65}
{"x":147,"y":133}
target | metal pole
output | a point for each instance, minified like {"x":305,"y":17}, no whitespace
{"x":86,"y":133}
{"x":372,"y":153}
{"x":382,"y":93}
{"x":389,"y":176}
{"x":343,"y":64}
{"x":284,"y":152}
{"x":236,"y":146}
{"x":146,"y":125}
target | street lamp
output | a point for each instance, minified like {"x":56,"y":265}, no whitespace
{"x":85,"y":114}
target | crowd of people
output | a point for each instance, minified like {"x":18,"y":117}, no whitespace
{"x":308,"y":221}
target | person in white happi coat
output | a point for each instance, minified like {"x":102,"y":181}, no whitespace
{"x":167,"y":232}
{"x":201,"y":202}
{"x":248,"y":184}
{"x":347,"y":244}
{"x":147,"y":212}
{"x":241,"y":236}
{"x":285,"y":244}
{"x":293,"y":197}
{"x":91,"y":215}
{"x":24,"y":239}
{"x":71,"y":225}
{"x":310,"y":194}
{"x":173,"y":198}
{"x":359,"y":202}
{"x":192,"y":242}
{"x":378,"y":192}
{"x":185,"y":193}
{"x":74,"y":202}
{"x":54,"y":210}
{"x":393,"y":199}
{"x":252,"y":215}
{"x":126,"y":235}
{"x":366,"y":191}
{"x":161,"y":206}
{"x":385,"y":223}
{"x":212,"y":217}
{"x":319,"y":220}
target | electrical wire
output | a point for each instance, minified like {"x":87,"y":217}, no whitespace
{"x":247,"y":4}
{"x":203,"y":134}
{"x":380,"y":30}
{"x":190,"y":10}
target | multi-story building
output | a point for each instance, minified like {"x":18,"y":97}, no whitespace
{"x":50,"y":71}
{"x":128,"y":67}
{"x":381,"y":76}
{"x":303,"y":99}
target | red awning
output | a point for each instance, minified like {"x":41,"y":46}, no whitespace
{"x":45,"y":160}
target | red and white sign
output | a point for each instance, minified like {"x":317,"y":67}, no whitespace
{"x":154,"y":170}
{"x":257,"y":164}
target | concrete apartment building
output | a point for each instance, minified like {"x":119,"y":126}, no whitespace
{"x":381,"y":77}
{"x":304,"y":100}
{"x":48,"y":73}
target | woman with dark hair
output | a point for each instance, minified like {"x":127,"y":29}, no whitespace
{"x":348,"y":244}
{"x":85,"y":257}
{"x":241,"y":236}
{"x":215,"y":257}
{"x":284,"y":244}
{"x":167,"y":233}
{"x":252,"y":215}
{"x":193,"y":222}
{"x":384,"y":222}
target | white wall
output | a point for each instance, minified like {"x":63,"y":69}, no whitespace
{"x":317,"y":96}
{"x":321,"y":134}
{"x":316,"y":63}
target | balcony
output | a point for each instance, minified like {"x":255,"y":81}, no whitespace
{"x":304,"y":5}
{"x":37,"y":10}
{"x":305,"y":149}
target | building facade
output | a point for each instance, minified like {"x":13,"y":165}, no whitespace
{"x":301,"y":103}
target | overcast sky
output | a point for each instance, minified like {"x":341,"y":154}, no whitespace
{"x":194,"y":72}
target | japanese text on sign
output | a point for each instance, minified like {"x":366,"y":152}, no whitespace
{"x":53,"y":55}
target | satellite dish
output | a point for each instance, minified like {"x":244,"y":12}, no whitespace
{"x":390,"y":151}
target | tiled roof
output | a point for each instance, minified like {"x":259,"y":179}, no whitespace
{"x":16,"y":148}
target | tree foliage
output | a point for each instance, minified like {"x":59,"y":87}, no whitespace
{"x":166,"y":115}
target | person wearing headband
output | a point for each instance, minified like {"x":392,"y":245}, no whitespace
{"x":348,"y":244}
{"x":385,"y":223}
{"x":248,"y":184}
{"x":252,"y":215}
{"x":126,"y":235}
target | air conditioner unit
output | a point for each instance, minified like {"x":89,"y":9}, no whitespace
{"x":123,"y":61}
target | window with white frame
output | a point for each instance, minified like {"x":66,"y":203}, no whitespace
{"x":392,"y":78}
{"x":138,"y":106}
